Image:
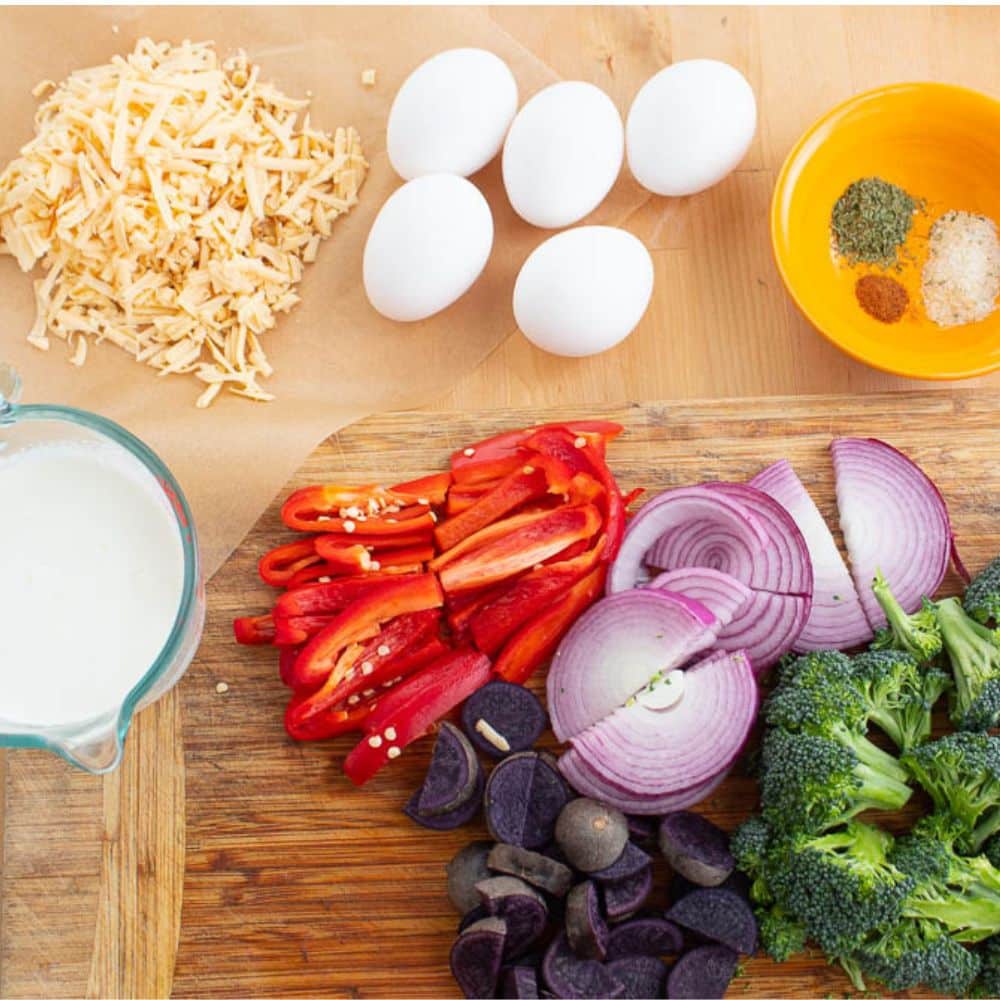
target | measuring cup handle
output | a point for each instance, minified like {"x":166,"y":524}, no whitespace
{"x":10,"y":389}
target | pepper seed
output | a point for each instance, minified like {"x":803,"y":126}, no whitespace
{"x":393,"y":752}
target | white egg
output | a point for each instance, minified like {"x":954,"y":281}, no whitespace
{"x":583,"y":291}
{"x":689,"y":126}
{"x":451,"y":114}
{"x":562,"y":154}
{"x":428,"y":244}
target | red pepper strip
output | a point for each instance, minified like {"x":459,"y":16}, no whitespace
{"x":432,"y":488}
{"x":630,"y":498}
{"x":254,"y":631}
{"x":459,"y":502}
{"x":391,"y":597}
{"x":536,"y":641}
{"x":279,"y":565}
{"x":331,"y":722}
{"x":286,"y":660}
{"x":522,"y":485}
{"x":298,"y":629}
{"x":586,"y":458}
{"x":503,"y":445}
{"x":370,"y":665}
{"x":514,"y":553}
{"x":460,"y":614}
{"x":325,"y":598}
{"x":410,"y":709}
{"x":499,"y":529}
{"x":341,"y":557}
{"x":488,"y":470}
{"x":403,"y":558}
{"x":320,"y":508}
{"x":325,"y":573}
{"x":533,"y":594}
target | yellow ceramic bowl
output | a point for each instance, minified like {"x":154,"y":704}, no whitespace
{"x":938,"y":142}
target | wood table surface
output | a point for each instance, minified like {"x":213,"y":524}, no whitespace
{"x":91,"y":883}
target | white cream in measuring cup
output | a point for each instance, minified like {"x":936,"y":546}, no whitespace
{"x":91,"y":577}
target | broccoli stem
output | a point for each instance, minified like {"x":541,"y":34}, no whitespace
{"x":875,"y":757}
{"x":970,"y":648}
{"x":985,"y":830}
{"x":897,"y":618}
{"x":970,"y":917}
{"x":880,"y":790}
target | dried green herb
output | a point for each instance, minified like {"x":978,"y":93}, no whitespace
{"x":871,"y":221}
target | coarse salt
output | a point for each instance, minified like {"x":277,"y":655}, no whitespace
{"x":961,"y":280}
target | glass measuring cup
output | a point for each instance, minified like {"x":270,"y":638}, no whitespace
{"x":96,"y":744}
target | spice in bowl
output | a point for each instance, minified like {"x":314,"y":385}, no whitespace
{"x":961,"y":280}
{"x":871,"y":220}
{"x":882,"y":297}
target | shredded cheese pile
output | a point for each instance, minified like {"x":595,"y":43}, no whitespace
{"x":173,"y":200}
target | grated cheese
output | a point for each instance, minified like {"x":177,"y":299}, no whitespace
{"x":173,"y":200}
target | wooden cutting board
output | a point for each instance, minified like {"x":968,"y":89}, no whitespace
{"x":297,"y":883}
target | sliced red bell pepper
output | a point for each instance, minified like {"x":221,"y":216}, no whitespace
{"x":514,"y":553}
{"x":343,"y":556}
{"x":530,"y":596}
{"x":433,"y":489}
{"x":522,"y":485}
{"x":286,"y":661}
{"x":391,"y":597}
{"x":412,"y":707}
{"x":256,"y":630}
{"x":298,"y":629}
{"x":374,"y":663}
{"x":462,"y":612}
{"x":502,"y":446}
{"x":536,"y":641}
{"x":369,"y":510}
{"x":324,"y":598}
{"x":323,"y":725}
{"x":279,"y":565}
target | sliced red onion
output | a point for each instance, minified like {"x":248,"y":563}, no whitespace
{"x":894,"y":519}
{"x":586,"y":782}
{"x":718,"y":533}
{"x":836,"y":618}
{"x":784,"y":567}
{"x":721,"y":593}
{"x":766,"y":628}
{"x":616,"y":647}
{"x":645,"y":753}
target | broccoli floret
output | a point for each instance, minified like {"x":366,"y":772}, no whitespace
{"x":974,"y":653}
{"x":960,"y":892}
{"x":815,"y":670}
{"x":987,"y":983}
{"x":917,"y":634}
{"x":991,"y":851}
{"x":982,"y":598}
{"x":900,"y":694}
{"x":840,"y":885}
{"x":781,"y":935}
{"x":961,"y":773}
{"x":812,"y":783}
{"x":911,"y":952}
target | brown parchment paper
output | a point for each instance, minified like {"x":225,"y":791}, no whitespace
{"x":335,"y":358}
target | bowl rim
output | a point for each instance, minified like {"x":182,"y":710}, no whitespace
{"x":56,"y":738}
{"x":782,"y":183}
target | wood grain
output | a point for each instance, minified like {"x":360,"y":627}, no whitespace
{"x":719,"y":325}
{"x":297,"y":883}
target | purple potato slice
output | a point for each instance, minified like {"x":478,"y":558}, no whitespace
{"x":591,"y":834}
{"x":465,"y":813}
{"x":503,"y":718}
{"x":736,"y":882}
{"x":536,"y":869}
{"x":451,"y":777}
{"x":478,"y":912}
{"x":520,"y":982}
{"x":571,"y":977}
{"x":476,"y":956}
{"x":644,"y":936}
{"x":703,"y":973}
{"x":524,"y":797}
{"x":586,"y":930}
{"x":522,"y":908}
{"x":643,"y":830}
{"x":631,"y":861}
{"x":643,"y":976}
{"x":717,"y":915}
{"x":622,"y":899}
{"x":696,"y":848}
{"x":464,"y":870}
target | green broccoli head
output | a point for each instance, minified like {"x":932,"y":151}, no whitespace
{"x":961,"y":773}
{"x":812,"y":783}
{"x":815,"y":670}
{"x":982,"y":598}
{"x":974,"y":653}
{"x":781,"y":935}
{"x":987,"y":983}
{"x":900,"y":693}
{"x":840,"y":885}
{"x":962,"y":893}
{"x":917,"y":634}
{"x":911,"y":953}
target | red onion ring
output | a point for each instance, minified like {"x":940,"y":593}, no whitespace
{"x":721,"y":593}
{"x":894,"y":519}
